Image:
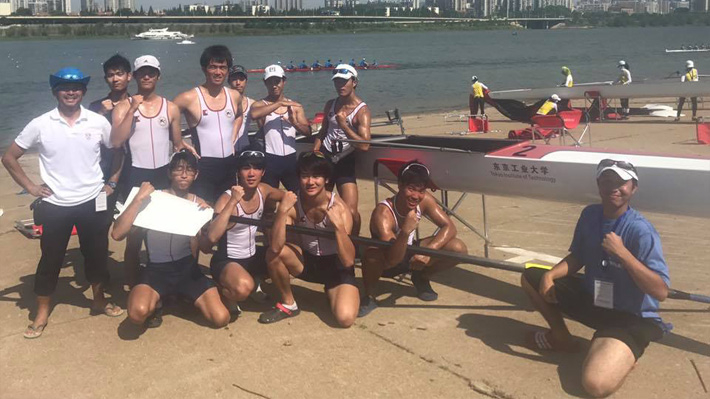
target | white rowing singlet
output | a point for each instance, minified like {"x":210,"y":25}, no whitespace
{"x":279,"y":134}
{"x":241,"y":239}
{"x":389,"y":203}
{"x":332,"y":138}
{"x":316,"y":245}
{"x":150,"y":141}
{"x":166,"y":247}
{"x":243,"y":134}
{"x":214,"y":130}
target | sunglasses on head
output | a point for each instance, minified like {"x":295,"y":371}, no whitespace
{"x":316,"y":154}
{"x":252,"y":153}
{"x":343,"y":71}
{"x":604,"y":163}
{"x":415,"y":165}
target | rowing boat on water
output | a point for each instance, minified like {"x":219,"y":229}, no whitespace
{"x":607,"y":90}
{"x":693,"y":50}
{"x":669,"y":184}
{"x":383,"y":66}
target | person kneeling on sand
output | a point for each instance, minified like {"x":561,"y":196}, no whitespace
{"x":395,"y":220}
{"x":172,"y":268}
{"x":328,"y":261}
{"x":625,"y":278}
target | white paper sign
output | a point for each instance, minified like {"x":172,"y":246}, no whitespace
{"x":169,"y":214}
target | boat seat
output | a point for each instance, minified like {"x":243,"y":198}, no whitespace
{"x":702,"y":131}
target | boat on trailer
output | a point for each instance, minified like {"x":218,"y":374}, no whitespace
{"x":608,"y":90}
{"x":668,"y":184}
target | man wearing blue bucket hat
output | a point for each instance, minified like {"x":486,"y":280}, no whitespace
{"x":72,"y":192}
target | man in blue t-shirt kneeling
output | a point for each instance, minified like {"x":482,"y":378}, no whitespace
{"x":625,"y":278}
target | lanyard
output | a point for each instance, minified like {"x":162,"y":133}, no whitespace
{"x":605,"y":257}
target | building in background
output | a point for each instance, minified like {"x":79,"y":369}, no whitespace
{"x":288,"y":5}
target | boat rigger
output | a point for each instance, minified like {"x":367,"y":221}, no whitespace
{"x":607,"y":90}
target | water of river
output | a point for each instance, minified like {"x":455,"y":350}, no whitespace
{"x":434,"y":73}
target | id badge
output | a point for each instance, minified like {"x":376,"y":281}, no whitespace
{"x":101,"y":202}
{"x":604,"y":294}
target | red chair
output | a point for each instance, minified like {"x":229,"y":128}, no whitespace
{"x":702,"y":131}
{"x":547,"y":127}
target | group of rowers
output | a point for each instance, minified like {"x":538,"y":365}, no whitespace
{"x":329,"y":64}
{"x":551,"y":105}
{"x":144,"y":151}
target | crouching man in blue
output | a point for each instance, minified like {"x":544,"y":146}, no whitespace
{"x":625,"y":278}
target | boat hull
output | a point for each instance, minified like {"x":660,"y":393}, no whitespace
{"x":641,"y":90}
{"x":673,"y":185}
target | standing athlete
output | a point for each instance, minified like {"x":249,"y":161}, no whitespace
{"x":477,"y":98}
{"x":280,"y":119}
{"x":238,"y":81}
{"x":213,"y":113}
{"x":348,"y":119}
{"x":148,"y":122}
{"x":690,"y":75}
{"x":624,"y":79}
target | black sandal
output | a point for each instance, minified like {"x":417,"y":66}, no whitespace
{"x":278,"y":313}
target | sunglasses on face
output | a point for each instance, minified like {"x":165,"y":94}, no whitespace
{"x":342,"y":71}
{"x":604,"y":163}
{"x":415,"y":165}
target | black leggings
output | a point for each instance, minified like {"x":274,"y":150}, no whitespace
{"x":693,"y":100}
{"x":478,"y":102}
{"x":57,"y":224}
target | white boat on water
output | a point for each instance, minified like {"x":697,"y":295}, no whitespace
{"x":607,"y":90}
{"x":186,"y":42}
{"x":669,"y":184}
{"x":162,"y":34}
{"x":688,"y":50}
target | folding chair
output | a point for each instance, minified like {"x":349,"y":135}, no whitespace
{"x":547,"y":127}
{"x":571,"y":119}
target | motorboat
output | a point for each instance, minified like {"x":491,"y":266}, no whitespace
{"x":162,"y":34}
{"x":186,"y":42}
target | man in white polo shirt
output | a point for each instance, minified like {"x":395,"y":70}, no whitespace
{"x":73,"y":193}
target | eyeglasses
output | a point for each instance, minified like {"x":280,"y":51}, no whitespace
{"x":343,"y":71}
{"x":605,"y":163}
{"x":251,"y":153}
{"x":316,"y":154}
{"x":415,"y":165}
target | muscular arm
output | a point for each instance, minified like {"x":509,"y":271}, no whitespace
{"x":259,"y":110}
{"x":382,"y":228}
{"x":122,"y":226}
{"x":301,"y":122}
{"x":447,"y":229}
{"x":363,"y":129}
{"x":346,"y":248}
{"x":278,"y":230}
{"x":184,"y":101}
{"x":566,"y":267}
{"x":219,"y":225}
{"x":122,"y":118}
{"x":646,"y":279}
{"x":116,"y":164}
{"x":323,"y":127}
{"x":175,"y":130}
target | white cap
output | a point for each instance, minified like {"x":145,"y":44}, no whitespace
{"x":689,"y":64}
{"x":344,"y":71}
{"x":555,"y":97}
{"x":625,"y":173}
{"x":622,"y":63}
{"x":146,"y":60}
{"x":274,"y":70}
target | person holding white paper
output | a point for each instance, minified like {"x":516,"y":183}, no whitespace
{"x":618,"y":296}
{"x":172,"y":267}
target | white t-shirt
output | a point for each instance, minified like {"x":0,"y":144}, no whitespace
{"x":68,"y":155}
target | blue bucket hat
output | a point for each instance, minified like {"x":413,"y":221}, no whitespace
{"x":68,"y":75}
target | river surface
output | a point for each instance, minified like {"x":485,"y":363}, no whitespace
{"x":434,"y":71}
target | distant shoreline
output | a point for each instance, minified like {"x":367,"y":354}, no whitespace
{"x":98,"y":30}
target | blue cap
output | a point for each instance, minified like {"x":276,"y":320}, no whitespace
{"x":68,"y":75}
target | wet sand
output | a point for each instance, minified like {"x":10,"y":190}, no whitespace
{"x":466,"y":344}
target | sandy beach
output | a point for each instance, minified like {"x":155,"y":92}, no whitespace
{"x":468,"y":344}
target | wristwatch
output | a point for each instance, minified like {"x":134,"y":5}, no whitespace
{"x":111,"y":184}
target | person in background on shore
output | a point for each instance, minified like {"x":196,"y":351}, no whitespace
{"x":690,"y":75}
{"x":239,"y":264}
{"x":348,"y":118}
{"x":172,"y":267}
{"x":214,"y":114}
{"x":328,"y":64}
{"x":148,"y":122}
{"x":238,"y":81}
{"x":72,"y":192}
{"x":328,"y":261}
{"x":569,"y":82}
{"x":280,"y":119}
{"x":625,"y":277}
{"x":395,"y":220}
{"x":624,"y":79}
{"x":363,"y":63}
{"x":316,"y":65}
{"x":477,"y":98}
{"x":549,"y":107}
{"x":303,"y":65}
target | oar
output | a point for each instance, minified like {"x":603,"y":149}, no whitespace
{"x":463,"y":258}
